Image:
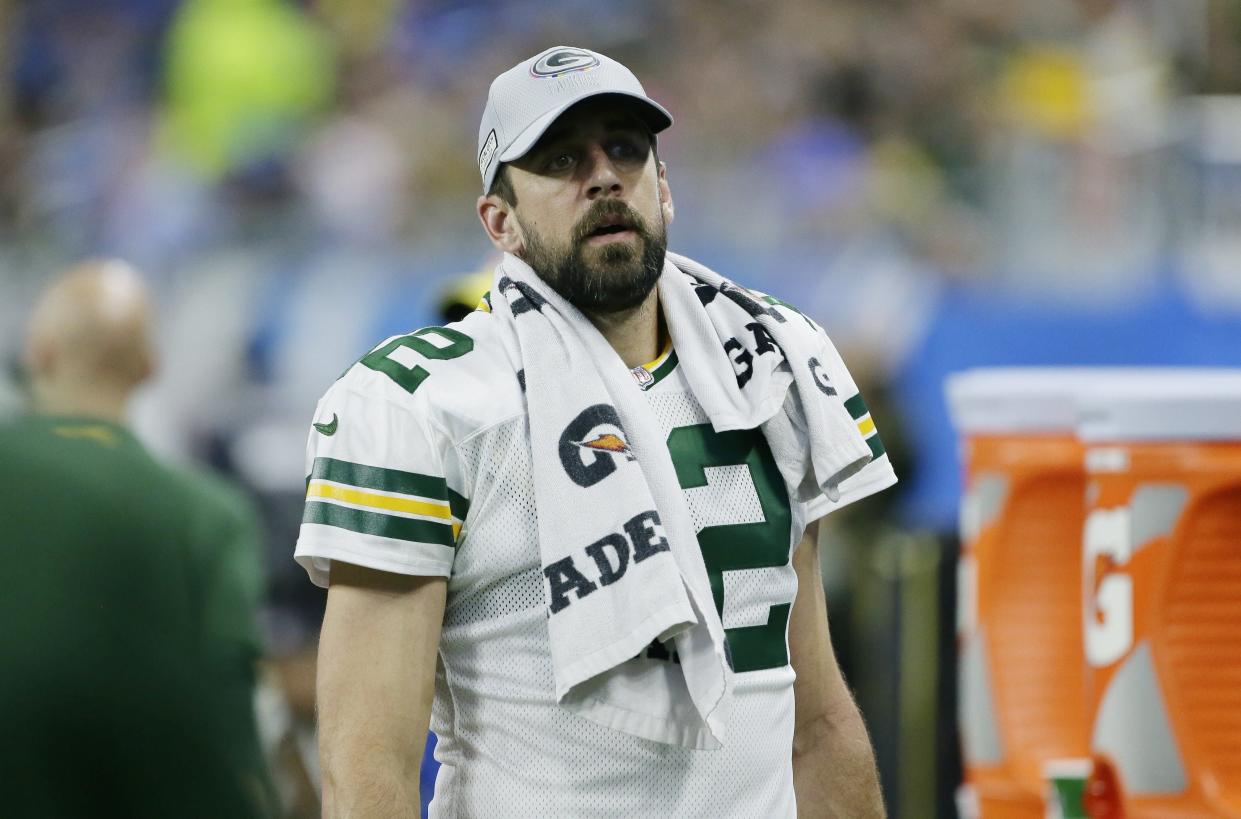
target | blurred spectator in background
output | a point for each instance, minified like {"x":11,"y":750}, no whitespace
{"x":128,"y":648}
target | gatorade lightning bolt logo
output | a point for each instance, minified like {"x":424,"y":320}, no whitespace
{"x":610,"y":443}
{"x":560,"y":61}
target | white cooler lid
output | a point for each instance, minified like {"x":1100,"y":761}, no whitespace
{"x":998,"y":400}
{"x":1163,"y":405}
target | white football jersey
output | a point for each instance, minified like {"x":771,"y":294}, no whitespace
{"x":420,"y":463}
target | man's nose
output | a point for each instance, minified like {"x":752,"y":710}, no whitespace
{"x":603,"y":178}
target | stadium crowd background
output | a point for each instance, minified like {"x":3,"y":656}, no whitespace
{"x":942,"y":183}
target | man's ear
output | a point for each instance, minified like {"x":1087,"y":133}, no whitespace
{"x":665,"y":194}
{"x":147,"y":364}
{"x":500,"y":224}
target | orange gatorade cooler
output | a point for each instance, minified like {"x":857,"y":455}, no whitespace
{"x":1161,"y":572}
{"x":1022,"y":702}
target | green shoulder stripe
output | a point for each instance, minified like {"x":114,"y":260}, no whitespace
{"x":858,"y":410}
{"x":375,"y":477}
{"x":377,"y":523}
{"x":459,"y":504}
{"x":876,"y":446}
{"x":856,"y":407}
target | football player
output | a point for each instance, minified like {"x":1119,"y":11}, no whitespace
{"x":422,"y":519}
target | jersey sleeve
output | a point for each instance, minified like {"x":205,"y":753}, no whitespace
{"x":878,"y":474}
{"x":377,"y":494}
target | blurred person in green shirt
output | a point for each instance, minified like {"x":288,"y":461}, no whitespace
{"x":128,"y":589}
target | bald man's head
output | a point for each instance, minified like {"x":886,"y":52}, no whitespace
{"x":89,"y":344}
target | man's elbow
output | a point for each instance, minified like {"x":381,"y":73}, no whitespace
{"x":370,"y":793}
{"x":368,"y":783}
{"x":812,"y":733}
{"x":837,"y":725}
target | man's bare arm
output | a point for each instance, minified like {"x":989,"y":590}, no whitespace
{"x":834,"y":771}
{"x":376,"y":681}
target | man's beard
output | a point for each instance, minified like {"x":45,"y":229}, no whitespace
{"x":619,"y":279}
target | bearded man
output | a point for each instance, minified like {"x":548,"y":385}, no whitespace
{"x":576,"y":531}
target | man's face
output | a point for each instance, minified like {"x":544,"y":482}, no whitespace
{"x":590,"y":211}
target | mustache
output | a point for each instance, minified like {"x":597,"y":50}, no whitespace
{"x":607,"y":211}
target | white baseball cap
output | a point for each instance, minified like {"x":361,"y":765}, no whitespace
{"x":525,"y":100}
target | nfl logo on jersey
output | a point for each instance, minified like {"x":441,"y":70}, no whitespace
{"x":643,"y":377}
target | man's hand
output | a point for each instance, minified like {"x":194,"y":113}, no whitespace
{"x":834,"y":771}
{"x":376,"y":680}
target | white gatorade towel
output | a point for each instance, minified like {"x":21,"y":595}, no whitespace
{"x":608,"y":498}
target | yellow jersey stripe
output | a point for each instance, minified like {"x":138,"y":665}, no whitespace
{"x":866,"y":426}
{"x":373,"y":501}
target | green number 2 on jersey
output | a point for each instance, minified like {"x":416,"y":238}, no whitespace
{"x":732,"y":547}
{"x":438,"y":343}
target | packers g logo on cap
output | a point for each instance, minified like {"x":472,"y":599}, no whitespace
{"x":563,"y":60}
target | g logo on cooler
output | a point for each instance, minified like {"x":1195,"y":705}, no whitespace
{"x":562,"y":61}
{"x":1108,"y":586}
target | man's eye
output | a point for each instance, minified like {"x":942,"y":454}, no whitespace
{"x":560,"y":162}
{"x":625,"y":149}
